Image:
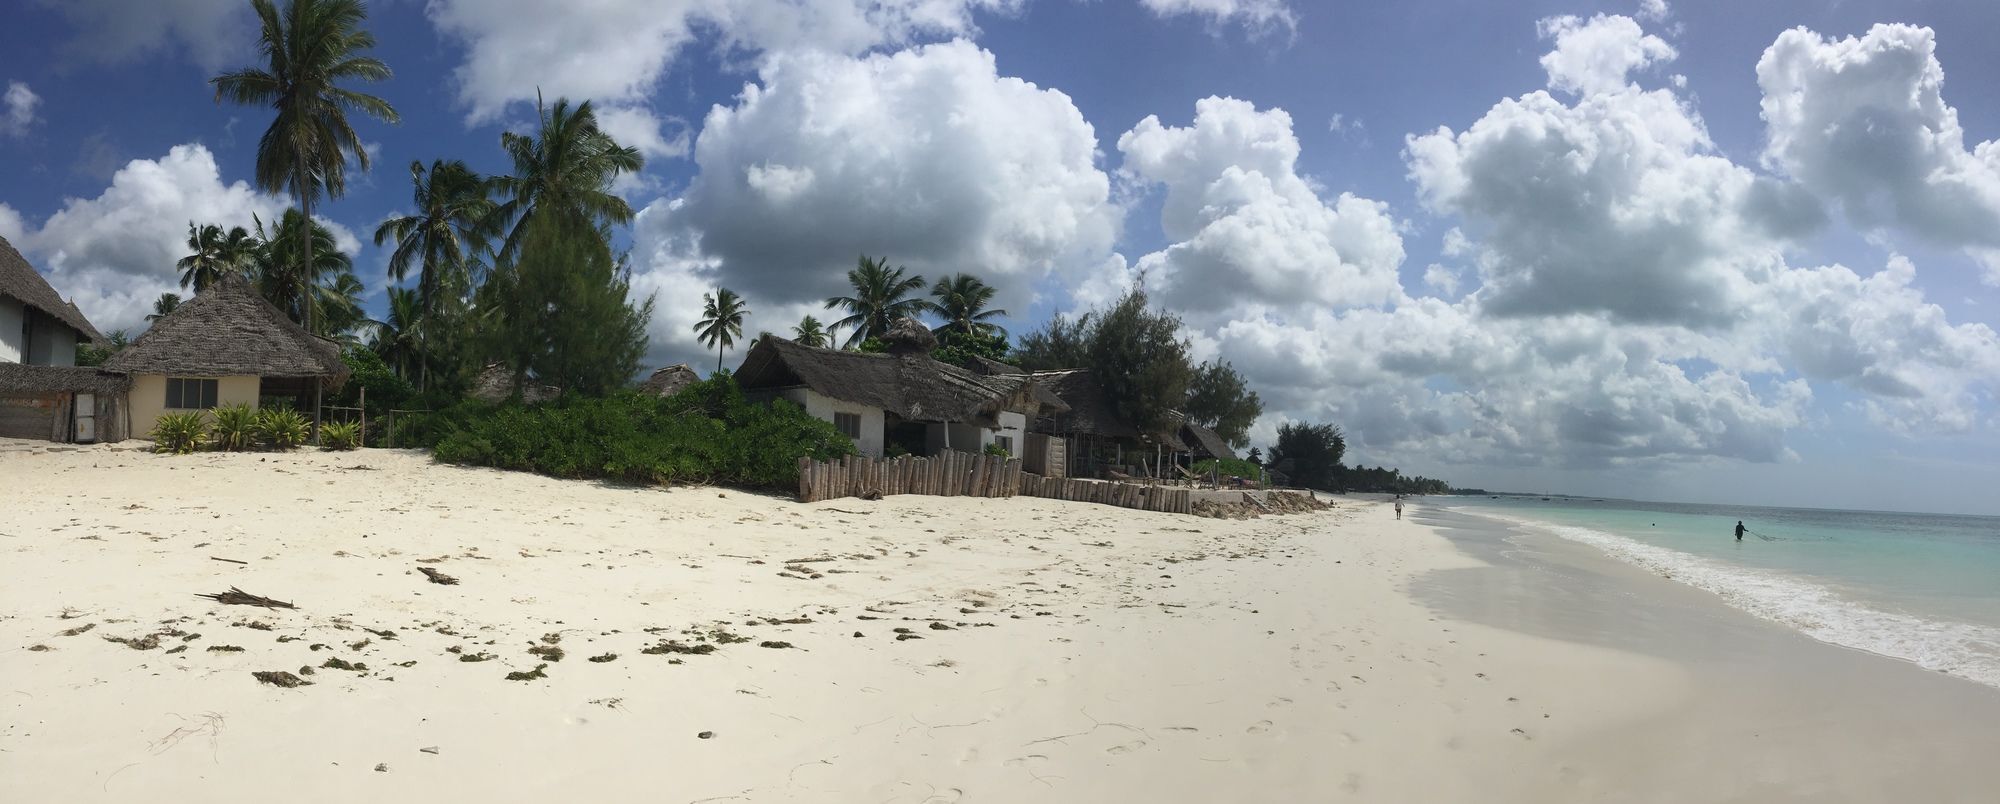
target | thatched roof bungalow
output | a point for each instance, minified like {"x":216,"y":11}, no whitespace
{"x":495,"y":384}
{"x":43,"y":394}
{"x":1203,"y":443}
{"x":668,"y":381}
{"x":903,"y":398}
{"x":37,"y":325}
{"x":1101,"y":438}
{"x":225,"y":346}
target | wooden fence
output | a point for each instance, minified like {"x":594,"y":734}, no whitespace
{"x":949,"y":474}
{"x":1165,"y":499}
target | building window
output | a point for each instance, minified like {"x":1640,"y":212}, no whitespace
{"x":190,"y":393}
{"x":1005,"y":442}
{"x":848,"y":423}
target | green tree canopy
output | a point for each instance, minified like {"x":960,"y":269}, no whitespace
{"x":722,"y":321}
{"x":1310,"y":454}
{"x":215,"y":254}
{"x":561,"y":310}
{"x":1062,"y":343}
{"x":564,"y":169}
{"x":961,"y":300}
{"x":166,"y":303}
{"x":1219,"y":400}
{"x":810,"y":332}
{"x":309,"y":49}
{"x":1137,"y":356}
{"x":881,"y":296}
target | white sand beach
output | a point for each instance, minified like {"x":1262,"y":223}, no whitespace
{"x":916,"y":649}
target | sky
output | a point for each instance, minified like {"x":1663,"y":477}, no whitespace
{"x":1738,"y":253}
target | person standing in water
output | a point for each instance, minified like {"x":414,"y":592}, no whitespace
{"x":1739,"y":530}
{"x":1399,"y":510}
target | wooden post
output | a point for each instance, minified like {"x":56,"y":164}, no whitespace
{"x":805,"y":479}
{"x":364,"y":415}
{"x":979,"y":465}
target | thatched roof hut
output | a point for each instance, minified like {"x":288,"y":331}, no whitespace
{"x":1090,"y":412}
{"x":1204,"y":443}
{"x":1051,"y":403}
{"x":21,"y":281}
{"x":495,"y":384}
{"x":35,"y":380}
{"x":910,"y":385}
{"x":668,"y":381}
{"x":230,"y":330}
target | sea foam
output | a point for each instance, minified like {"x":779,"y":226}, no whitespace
{"x":1961,"y":649}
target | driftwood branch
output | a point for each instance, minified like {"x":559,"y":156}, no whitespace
{"x":238,"y":597}
{"x":230,"y":560}
{"x":437,"y":577}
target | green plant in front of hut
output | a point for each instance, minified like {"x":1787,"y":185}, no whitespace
{"x":281,"y":428}
{"x":340,"y":435}
{"x":997,"y":451}
{"x":235,"y":427}
{"x":179,"y":433}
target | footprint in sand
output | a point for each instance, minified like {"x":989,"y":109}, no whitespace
{"x":1258,"y":727}
{"x":1019,"y":761}
{"x":1182,"y":728}
{"x":1126,"y":748}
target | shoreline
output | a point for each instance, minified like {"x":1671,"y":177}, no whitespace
{"x":1057,"y":651}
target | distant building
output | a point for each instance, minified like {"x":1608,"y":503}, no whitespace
{"x":43,"y":393}
{"x":666,"y":382}
{"x":899,"y":401}
{"x":225,"y":346}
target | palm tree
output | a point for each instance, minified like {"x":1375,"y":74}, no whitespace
{"x":215,"y":254}
{"x":396,"y":336}
{"x":881,"y":296}
{"x":961,"y":301}
{"x":722,"y":321}
{"x":309,"y":49}
{"x":565,"y":169}
{"x":166,"y":303}
{"x":810,"y":333}
{"x":339,"y":310}
{"x":283,"y":279}
{"x":450,"y":225}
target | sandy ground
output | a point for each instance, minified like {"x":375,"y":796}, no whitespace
{"x":917,"y":649}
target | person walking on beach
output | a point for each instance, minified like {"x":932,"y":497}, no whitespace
{"x":1399,"y":511}
{"x":1739,"y":530}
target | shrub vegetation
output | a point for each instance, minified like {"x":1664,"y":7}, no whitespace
{"x":179,"y":433}
{"x":707,"y":433}
{"x":340,"y":435}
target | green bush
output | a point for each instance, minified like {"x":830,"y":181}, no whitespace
{"x":281,"y":428}
{"x":235,"y":427}
{"x":179,"y":433}
{"x":705,"y":434}
{"x":996,"y":449}
{"x":340,"y":435}
{"x":1226,"y":467}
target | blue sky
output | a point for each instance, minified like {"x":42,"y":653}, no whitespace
{"x":1613,"y":248}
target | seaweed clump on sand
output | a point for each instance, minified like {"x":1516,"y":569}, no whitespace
{"x":280,"y":678}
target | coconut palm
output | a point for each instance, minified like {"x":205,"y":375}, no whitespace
{"x":881,"y":296}
{"x":339,"y":312}
{"x":566,"y":168}
{"x":450,"y":226}
{"x":961,"y":301}
{"x":721,"y":321}
{"x":396,"y":336}
{"x":304,"y":294}
{"x":310,"y":48}
{"x":215,"y":254}
{"x":809,"y":332}
{"x":166,"y":303}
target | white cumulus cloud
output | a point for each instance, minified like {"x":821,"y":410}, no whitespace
{"x":1598,"y":54}
{"x":1245,"y":220}
{"x":1863,"y":121}
{"x":927,"y":157}
{"x":115,"y":253}
{"x":1257,"y":16}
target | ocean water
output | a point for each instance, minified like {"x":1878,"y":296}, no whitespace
{"x":1924,"y":588}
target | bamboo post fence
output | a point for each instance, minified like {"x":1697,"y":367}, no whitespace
{"x":956,"y":474}
{"x":949,"y":474}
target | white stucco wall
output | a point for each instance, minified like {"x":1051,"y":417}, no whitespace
{"x":1014,"y":426}
{"x":149,"y":397}
{"x":11,"y":316}
{"x":823,"y":407}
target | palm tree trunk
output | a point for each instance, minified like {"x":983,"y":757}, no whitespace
{"x":718,"y":359}
{"x":305,"y":241}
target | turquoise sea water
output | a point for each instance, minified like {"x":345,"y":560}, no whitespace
{"x":1924,"y":588}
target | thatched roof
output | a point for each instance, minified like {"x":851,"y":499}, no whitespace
{"x":228,"y":329}
{"x":1205,"y":443}
{"x":18,"y":379}
{"x":495,"y":384}
{"x":911,"y":385}
{"x":21,"y":281}
{"x":1051,"y":403}
{"x":1090,"y":412}
{"x":669,"y":381}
